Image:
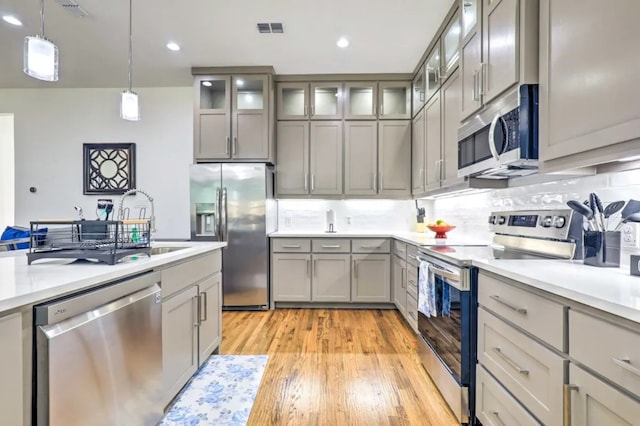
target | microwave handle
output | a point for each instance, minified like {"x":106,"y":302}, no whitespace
{"x":492,"y":130}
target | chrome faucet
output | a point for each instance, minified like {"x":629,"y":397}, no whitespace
{"x":152,"y":219}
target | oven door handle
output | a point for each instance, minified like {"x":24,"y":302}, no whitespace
{"x":444,"y":273}
{"x":492,"y":131}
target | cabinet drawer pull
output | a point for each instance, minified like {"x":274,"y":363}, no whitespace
{"x":496,"y":416}
{"x":511,"y":362}
{"x":369,"y":247}
{"x":567,"y":403}
{"x":413,"y":257}
{"x":509,"y":305}
{"x":413,"y":315}
{"x":337,"y":246}
{"x":291,"y":246}
{"x":626,"y":364}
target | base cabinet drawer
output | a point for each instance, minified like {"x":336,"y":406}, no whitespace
{"x":412,"y":313}
{"x":291,"y":245}
{"x":530,"y":371}
{"x":331,"y":245}
{"x":412,"y":282}
{"x":400,"y":249}
{"x":495,"y":406}
{"x":371,"y":245}
{"x":531,"y":312}
{"x":592,"y":402}
{"x":615,"y":353}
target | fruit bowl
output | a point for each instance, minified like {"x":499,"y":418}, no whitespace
{"x":441,"y":230}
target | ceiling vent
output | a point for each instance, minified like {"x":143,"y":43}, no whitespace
{"x":73,"y":8}
{"x":265,"y":28}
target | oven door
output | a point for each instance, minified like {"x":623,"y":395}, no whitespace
{"x":445,"y":312}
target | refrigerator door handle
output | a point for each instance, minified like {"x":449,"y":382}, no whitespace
{"x":225,"y":227}
{"x":218,"y":222}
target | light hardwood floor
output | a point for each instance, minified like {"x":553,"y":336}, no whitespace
{"x":335,"y":367}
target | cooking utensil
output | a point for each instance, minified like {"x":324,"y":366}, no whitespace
{"x":633,"y":206}
{"x":584,"y":211}
{"x":633,"y":218}
{"x":596,"y":206}
{"x":611,"y":209}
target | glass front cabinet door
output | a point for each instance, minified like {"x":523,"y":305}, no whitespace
{"x":212,"y":138}
{"x":395,"y":100}
{"x":451,"y":47}
{"x":418,"y":91}
{"x":432,"y":72}
{"x":293,"y":101}
{"x":361,"y":100}
{"x":326,"y":101}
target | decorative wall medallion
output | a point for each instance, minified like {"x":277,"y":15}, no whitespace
{"x":109,"y":168}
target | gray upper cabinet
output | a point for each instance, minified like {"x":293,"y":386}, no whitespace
{"x":326,"y":101}
{"x":450,"y":45}
{"x":293,"y":101}
{"x":361,"y":100}
{"x":212,"y":132}
{"x":361,"y":158}
{"x":326,"y":158}
{"x":590,"y":85}
{"x":433,"y":136}
{"x":418,"y":154}
{"x":292,"y":172}
{"x":394,"y":157}
{"x":394,"y":98}
{"x":471,"y":58}
{"x":499,"y":49}
{"x":418,"y":91}
{"x":450,"y":99}
{"x":232,"y":119}
{"x":432,"y":72}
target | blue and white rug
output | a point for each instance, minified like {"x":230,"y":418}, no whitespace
{"x":221,"y":393}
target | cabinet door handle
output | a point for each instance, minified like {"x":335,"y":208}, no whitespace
{"x":474,"y":97}
{"x":496,"y":416}
{"x":337,"y":246}
{"x":626,"y":364}
{"x":509,"y":305}
{"x":380,"y":181}
{"x":291,"y":246}
{"x":235,"y":145}
{"x":313,"y":109}
{"x":305,"y":110}
{"x":442,"y":170}
{"x":567,"y":402}
{"x":306,"y":183}
{"x":308,"y":266}
{"x":402,"y":277}
{"x":483,"y":78}
{"x":197,"y":300}
{"x":315,"y":274}
{"x":203,"y":318}
{"x":313,"y":182}
{"x":381,"y":109}
{"x":511,"y":362}
{"x":373,"y":107}
{"x":355,"y":269}
{"x":226,"y":147}
{"x":373,"y":181}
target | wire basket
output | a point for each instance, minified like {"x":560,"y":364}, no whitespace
{"x":102,"y":240}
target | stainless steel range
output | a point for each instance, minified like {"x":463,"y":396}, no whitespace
{"x":448,"y":294}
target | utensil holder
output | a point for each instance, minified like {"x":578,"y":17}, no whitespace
{"x":602,"y":248}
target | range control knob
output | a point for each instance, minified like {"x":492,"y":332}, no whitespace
{"x":546,"y":221}
{"x":492,"y":219}
{"x":502,"y":220}
{"x":559,"y":221}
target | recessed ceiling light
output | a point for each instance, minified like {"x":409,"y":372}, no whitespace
{"x":12,"y":20}
{"x":240,"y":83}
{"x":342,"y":42}
{"x":173,"y":46}
{"x":206,"y":83}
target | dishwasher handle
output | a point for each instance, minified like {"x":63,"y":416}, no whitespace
{"x":75,"y":304}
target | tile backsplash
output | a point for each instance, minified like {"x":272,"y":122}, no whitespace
{"x":351,"y":215}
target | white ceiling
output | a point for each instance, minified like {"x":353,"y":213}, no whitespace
{"x":386,"y":36}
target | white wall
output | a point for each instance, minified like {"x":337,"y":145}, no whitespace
{"x":52,"y":124}
{"x":7,"y":198}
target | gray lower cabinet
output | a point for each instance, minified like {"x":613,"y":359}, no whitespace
{"x":326,"y":157}
{"x":361,"y":157}
{"x":394,"y":157}
{"x":292,"y":172}
{"x":371,"y":278}
{"x":291,"y":277}
{"x":11,"y":385}
{"x":589,"y":88}
{"x":331,"y":278}
{"x":179,"y":341}
{"x":400,"y":284}
{"x":210,"y":328}
{"x":593,"y":402}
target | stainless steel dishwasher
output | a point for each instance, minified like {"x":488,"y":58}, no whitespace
{"x":99,"y":356}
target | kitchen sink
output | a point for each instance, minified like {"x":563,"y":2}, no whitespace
{"x":165,"y":250}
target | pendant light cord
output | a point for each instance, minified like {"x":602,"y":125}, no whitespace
{"x":130,"y":43}
{"x":42,"y":18}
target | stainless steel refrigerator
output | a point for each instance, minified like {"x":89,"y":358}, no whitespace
{"x":234,"y":203}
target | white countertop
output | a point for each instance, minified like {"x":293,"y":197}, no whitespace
{"x":22,"y":284}
{"x":415,"y":238}
{"x":611,"y":290}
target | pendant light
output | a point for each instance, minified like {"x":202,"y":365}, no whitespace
{"x":129,"y":107}
{"x":40,"y":54}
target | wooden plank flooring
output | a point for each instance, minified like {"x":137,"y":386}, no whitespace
{"x":335,"y":367}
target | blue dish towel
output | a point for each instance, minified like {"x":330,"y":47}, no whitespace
{"x":446,"y":300}
{"x":12,"y":233}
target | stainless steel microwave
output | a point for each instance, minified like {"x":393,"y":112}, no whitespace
{"x":502,"y":140}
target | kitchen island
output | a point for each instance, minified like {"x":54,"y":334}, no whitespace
{"x":184,"y":268}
